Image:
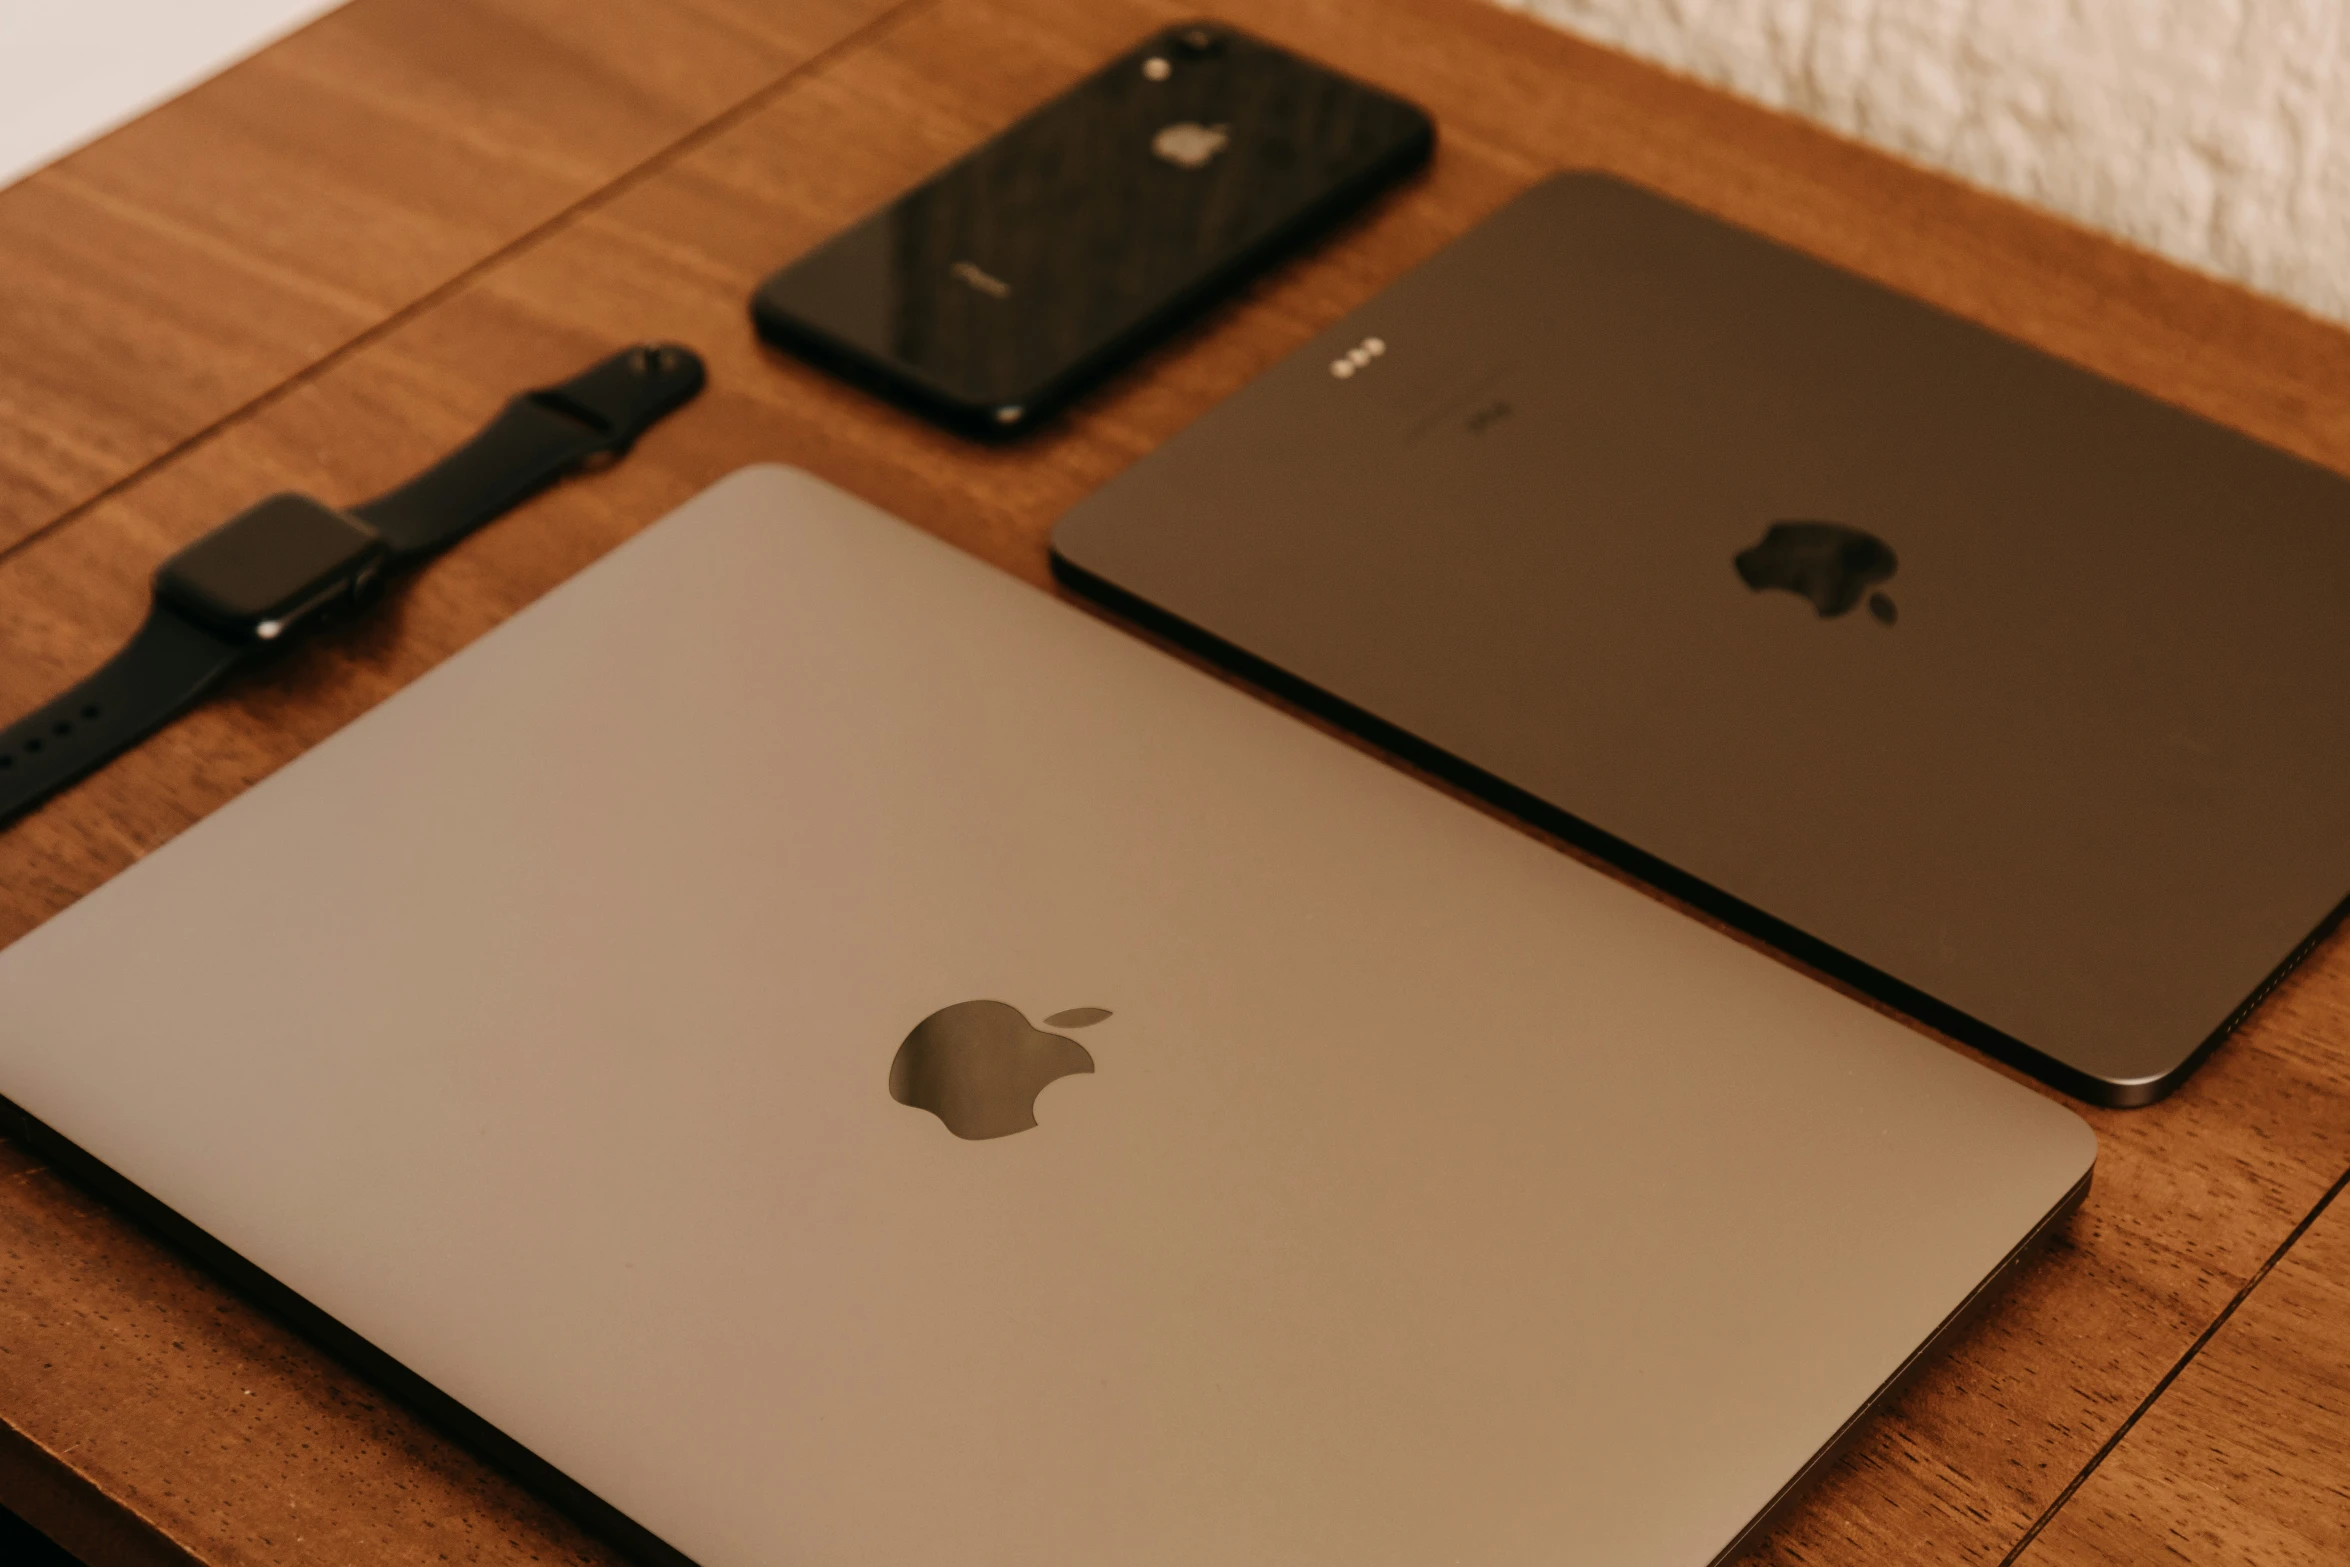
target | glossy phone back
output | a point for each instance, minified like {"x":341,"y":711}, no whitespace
{"x":1007,"y":282}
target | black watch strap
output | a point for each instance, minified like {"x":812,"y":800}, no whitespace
{"x":167,"y":664}
{"x":176,"y":655}
{"x":535,"y":440}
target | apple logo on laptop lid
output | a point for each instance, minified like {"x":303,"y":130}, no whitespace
{"x":1826,"y":562}
{"x":979,"y":1065}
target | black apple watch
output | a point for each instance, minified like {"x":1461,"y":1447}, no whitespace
{"x":292,"y":563}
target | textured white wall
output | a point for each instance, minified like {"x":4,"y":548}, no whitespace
{"x":2216,"y":132}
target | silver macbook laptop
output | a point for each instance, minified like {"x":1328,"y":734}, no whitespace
{"x":823,"y":1054}
{"x":2009,"y":694}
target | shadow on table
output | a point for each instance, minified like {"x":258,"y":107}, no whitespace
{"x":22,"y":1545}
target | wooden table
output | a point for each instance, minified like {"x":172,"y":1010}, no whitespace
{"x":321,"y":269}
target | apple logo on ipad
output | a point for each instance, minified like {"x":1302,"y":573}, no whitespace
{"x":1826,"y":562}
{"x":979,"y":1065}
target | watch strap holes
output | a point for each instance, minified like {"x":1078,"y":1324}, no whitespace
{"x":33,"y":745}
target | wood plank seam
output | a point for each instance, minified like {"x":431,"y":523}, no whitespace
{"x":2154,"y":1394}
{"x":878,"y":28}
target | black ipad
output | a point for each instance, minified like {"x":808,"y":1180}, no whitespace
{"x":1993,"y":687}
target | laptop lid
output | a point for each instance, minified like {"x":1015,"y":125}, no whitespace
{"x":1998,"y":689}
{"x":1398,"y":1189}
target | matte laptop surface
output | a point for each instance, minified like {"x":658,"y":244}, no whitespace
{"x":1423,"y":1195}
{"x":2001,"y":690}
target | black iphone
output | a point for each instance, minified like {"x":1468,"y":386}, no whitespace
{"x":1006,"y":283}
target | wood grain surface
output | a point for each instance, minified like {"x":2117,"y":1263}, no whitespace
{"x":176,"y":1409}
{"x":2242,"y":1459}
{"x":170,"y":274}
